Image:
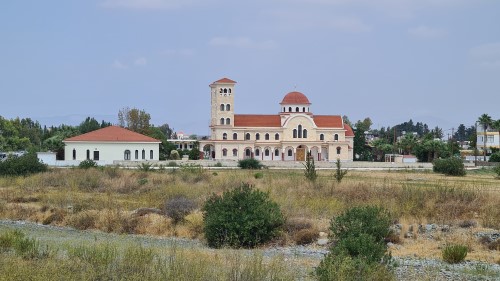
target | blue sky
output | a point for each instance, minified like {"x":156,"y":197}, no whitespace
{"x":390,"y":60}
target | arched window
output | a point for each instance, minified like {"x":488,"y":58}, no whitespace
{"x":88,"y":154}
{"x":228,"y":107}
{"x":74,"y":154}
{"x":222,"y":121}
{"x":294,"y":133}
{"x":300,"y":131}
{"x":276,"y":152}
{"x":297,"y":109}
{"x":229,"y":90}
{"x":257,"y":136}
{"x":290,"y":152}
{"x":235,"y":152}
{"x":257,"y":152}
{"x":225,"y":90}
{"x":338,"y":150}
{"x":289,"y":109}
{"x":336,"y":137}
{"x":304,"y":134}
{"x":224,"y":152}
{"x":143,"y":154}
{"x":235,"y":136}
{"x":151,"y":154}
{"x":276,"y":136}
{"x":136,"y":154}
{"x":126,"y":155}
{"x":224,"y":136}
{"x":266,"y":152}
{"x":221,"y":107}
{"x":220,"y":91}
{"x":247,"y":136}
{"x":321,"y":137}
{"x":267,"y":136}
{"x":228,"y":121}
{"x":303,"y":109}
{"x":284,"y":109}
{"x":248,"y":152}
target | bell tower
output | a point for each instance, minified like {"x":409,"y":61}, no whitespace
{"x":222,"y":103}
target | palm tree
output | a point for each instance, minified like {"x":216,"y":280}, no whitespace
{"x":485,"y":121}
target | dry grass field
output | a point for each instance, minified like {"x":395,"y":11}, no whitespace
{"x":104,"y":199}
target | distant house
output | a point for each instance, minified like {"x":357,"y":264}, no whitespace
{"x":492,"y":138}
{"x":111,"y":144}
{"x":399,"y":158}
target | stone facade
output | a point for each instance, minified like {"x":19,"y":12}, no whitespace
{"x":287,"y":136}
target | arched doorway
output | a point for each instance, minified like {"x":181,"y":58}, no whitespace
{"x":300,"y":153}
{"x":315,"y":153}
{"x":208,"y":152}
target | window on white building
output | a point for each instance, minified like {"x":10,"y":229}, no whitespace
{"x":235,"y":152}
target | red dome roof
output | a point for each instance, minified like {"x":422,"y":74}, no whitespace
{"x":295,"y":98}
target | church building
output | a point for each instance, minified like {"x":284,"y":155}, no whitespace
{"x":287,"y":136}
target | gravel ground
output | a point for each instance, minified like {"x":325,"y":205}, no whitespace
{"x":406,"y":268}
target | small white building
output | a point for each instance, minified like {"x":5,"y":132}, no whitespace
{"x":111,"y":144}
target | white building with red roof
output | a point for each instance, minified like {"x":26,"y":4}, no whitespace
{"x":286,"y":136}
{"x":111,"y":144}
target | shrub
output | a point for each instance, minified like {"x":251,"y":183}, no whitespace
{"x":87,"y":164}
{"x":360,"y":250}
{"x":179,"y":207}
{"x":495,"y":157}
{"x":310,"y":168}
{"x":497,"y":170}
{"x":174,"y":155}
{"x":258,"y":175}
{"x":449,"y":166}
{"x":242,"y":217}
{"x":145,"y":167}
{"x":7,"y":239}
{"x":339,"y":173}
{"x":454,"y":253}
{"x":368,"y":219}
{"x":21,"y":165}
{"x":250,"y":164}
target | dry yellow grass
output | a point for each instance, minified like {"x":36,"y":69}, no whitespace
{"x":104,"y":198}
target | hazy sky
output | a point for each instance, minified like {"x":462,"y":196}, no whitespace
{"x":436,"y":61}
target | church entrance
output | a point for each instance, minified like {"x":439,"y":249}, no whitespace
{"x":300,"y":154}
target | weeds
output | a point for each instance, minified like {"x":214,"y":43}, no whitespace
{"x":454,"y":253}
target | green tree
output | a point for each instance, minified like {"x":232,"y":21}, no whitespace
{"x":134,"y":119}
{"x":485,"y":121}
{"x":89,"y":125}
{"x":407,"y":143}
{"x":360,"y":148}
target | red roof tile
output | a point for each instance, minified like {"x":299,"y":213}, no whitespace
{"x":255,"y":120}
{"x":328,"y":121}
{"x":225,"y":81}
{"x":348,"y":132}
{"x":295,"y":98}
{"x":113,"y":134}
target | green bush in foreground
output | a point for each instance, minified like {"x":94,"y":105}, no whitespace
{"x":21,"y":165}
{"x":495,"y":157}
{"x":454,"y":253}
{"x":497,"y":170}
{"x":250,"y":164}
{"x":242,"y":217}
{"x":450,"y":166}
{"x":360,"y":252}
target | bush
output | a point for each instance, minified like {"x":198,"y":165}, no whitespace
{"x":495,"y":157}
{"x":497,"y":170}
{"x":21,"y":165}
{"x":450,"y":166}
{"x":87,"y":164}
{"x":145,"y":167}
{"x":368,"y":219}
{"x":310,"y":168}
{"x":305,"y":236}
{"x":179,"y":207}
{"x":242,"y":217}
{"x":454,"y":253}
{"x":174,"y":155}
{"x":258,"y":175}
{"x":250,"y":164}
{"x":360,"y":250}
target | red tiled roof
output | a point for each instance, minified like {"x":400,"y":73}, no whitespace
{"x":224,"y":81}
{"x":113,"y":134}
{"x":255,"y":120}
{"x":348,"y":132}
{"x":295,"y":98}
{"x":328,"y":121}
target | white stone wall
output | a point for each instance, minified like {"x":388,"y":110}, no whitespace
{"x":110,"y":151}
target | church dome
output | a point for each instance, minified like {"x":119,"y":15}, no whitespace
{"x":295,"y":98}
